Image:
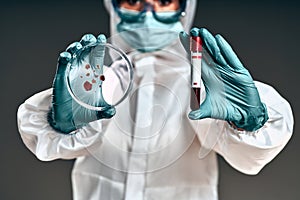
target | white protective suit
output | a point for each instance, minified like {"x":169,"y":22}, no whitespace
{"x":150,"y":150}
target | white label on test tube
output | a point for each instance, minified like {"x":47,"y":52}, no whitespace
{"x":196,"y":58}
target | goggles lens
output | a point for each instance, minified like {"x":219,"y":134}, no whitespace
{"x":157,"y":5}
{"x":134,"y":10}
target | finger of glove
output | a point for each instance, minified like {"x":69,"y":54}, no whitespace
{"x":97,"y":54}
{"x":62,"y":63}
{"x":59,"y":84}
{"x":74,"y":48}
{"x":203,"y":112}
{"x":88,"y":39}
{"x":228,"y":53}
{"x":195,"y":32}
{"x":101,"y":39}
{"x":107,"y":113}
{"x":211,"y":45}
{"x":185,"y":41}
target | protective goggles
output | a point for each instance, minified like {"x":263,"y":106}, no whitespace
{"x":166,"y":11}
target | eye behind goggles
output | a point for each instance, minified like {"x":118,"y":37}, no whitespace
{"x":135,"y":10}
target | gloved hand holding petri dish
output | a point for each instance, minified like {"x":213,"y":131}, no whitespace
{"x":99,"y":76}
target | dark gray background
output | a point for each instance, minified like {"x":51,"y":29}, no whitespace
{"x":264,"y":33}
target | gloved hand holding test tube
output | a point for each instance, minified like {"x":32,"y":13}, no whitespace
{"x":231,"y":93}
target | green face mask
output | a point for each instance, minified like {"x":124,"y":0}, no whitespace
{"x":148,"y":34}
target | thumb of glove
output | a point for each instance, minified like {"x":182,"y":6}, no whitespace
{"x":203,"y":112}
{"x":185,"y":41}
{"x":107,"y":113}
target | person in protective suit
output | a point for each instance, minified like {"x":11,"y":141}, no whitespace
{"x":152,"y":146}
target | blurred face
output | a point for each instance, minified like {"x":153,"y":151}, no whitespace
{"x":157,"y":5}
{"x":149,"y":25}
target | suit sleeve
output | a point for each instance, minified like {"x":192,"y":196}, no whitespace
{"x":45,"y":142}
{"x":249,"y":152}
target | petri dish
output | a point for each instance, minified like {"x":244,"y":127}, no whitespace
{"x":99,"y":76}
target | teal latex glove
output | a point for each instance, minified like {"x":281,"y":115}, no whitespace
{"x":230,"y":91}
{"x":66,"y":115}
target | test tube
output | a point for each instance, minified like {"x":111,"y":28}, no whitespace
{"x":196,"y":58}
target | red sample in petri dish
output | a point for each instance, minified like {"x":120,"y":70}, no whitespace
{"x":87,"y":86}
{"x":102,"y":77}
{"x":87,"y":66}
